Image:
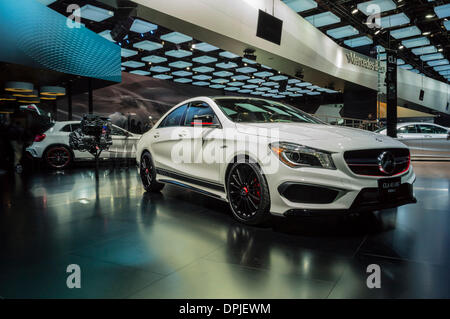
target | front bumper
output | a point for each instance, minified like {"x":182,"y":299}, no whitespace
{"x":369,"y":199}
{"x":338,"y":191}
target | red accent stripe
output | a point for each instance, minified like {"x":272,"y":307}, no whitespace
{"x":402,"y":172}
{"x":202,"y":123}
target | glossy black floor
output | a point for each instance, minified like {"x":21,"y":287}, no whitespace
{"x":179,"y":244}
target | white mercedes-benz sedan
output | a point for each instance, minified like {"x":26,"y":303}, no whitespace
{"x":264,"y":158}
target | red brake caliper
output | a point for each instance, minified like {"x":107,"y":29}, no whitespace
{"x":257,"y":188}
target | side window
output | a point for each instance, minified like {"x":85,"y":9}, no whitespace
{"x":427,"y":129}
{"x":440,"y":130}
{"x":66,"y":128}
{"x":409,"y":129}
{"x":198,"y":109}
{"x":174,"y":118}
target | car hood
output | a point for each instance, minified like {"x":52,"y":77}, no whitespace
{"x":326,"y":137}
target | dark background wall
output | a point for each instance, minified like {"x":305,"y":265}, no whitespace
{"x":359,"y":102}
{"x":146,"y":96}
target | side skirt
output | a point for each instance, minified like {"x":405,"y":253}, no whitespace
{"x":187,"y":179}
{"x":195,"y":189}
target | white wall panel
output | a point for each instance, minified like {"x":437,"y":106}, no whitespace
{"x":236,"y":20}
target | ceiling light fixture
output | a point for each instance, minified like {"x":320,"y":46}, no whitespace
{"x":355,"y":11}
{"x":53,"y":91}
{"x":19,"y":87}
{"x":430,"y":16}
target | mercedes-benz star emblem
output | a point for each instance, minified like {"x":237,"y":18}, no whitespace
{"x":386,"y":163}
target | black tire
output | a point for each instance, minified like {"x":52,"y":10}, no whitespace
{"x":58,"y":157}
{"x":148,"y":174}
{"x":248,"y":193}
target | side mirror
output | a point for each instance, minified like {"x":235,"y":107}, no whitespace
{"x":204,"y":120}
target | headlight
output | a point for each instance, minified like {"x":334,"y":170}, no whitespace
{"x":295,"y":155}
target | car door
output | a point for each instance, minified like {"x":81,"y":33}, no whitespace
{"x":131,"y":143}
{"x":203,"y":142}
{"x":410,"y":136}
{"x":435,"y":142}
{"x":167,"y":137}
{"x":118,"y":148}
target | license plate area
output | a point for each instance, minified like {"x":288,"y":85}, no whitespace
{"x":389,"y":187}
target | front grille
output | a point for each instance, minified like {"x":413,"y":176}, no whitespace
{"x":366,"y":162}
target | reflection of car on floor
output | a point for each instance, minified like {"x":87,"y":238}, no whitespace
{"x":53,"y":145}
{"x":423,"y":139}
{"x":265,"y":157}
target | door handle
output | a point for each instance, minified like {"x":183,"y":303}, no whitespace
{"x":156,"y":135}
{"x":182,"y":134}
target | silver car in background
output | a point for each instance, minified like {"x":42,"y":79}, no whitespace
{"x":424,"y":139}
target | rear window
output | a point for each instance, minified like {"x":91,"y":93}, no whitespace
{"x":70,"y":127}
{"x":66,"y":128}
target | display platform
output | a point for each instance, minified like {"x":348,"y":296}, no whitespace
{"x":179,"y":244}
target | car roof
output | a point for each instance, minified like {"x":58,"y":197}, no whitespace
{"x":63,"y":123}
{"x":67,"y":122}
{"x":236,"y":97}
{"x":418,"y":123}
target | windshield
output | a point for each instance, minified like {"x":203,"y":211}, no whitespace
{"x":262,"y":111}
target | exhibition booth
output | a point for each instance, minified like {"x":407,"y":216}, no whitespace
{"x":239,"y":149}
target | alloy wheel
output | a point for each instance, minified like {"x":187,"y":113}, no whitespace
{"x":58,"y":157}
{"x":244,"y":191}
{"x":146,"y":170}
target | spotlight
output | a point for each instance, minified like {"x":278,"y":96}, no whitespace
{"x":377,"y":32}
{"x":299,"y":74}
{"x":429,"y":16}
{"x":426,"y":33}
{"x":121,"y":29}
{"x":283,"y":86}
{"x":355,"y":11}
{"x":401,"y":47}
{"x":250,"y":54}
